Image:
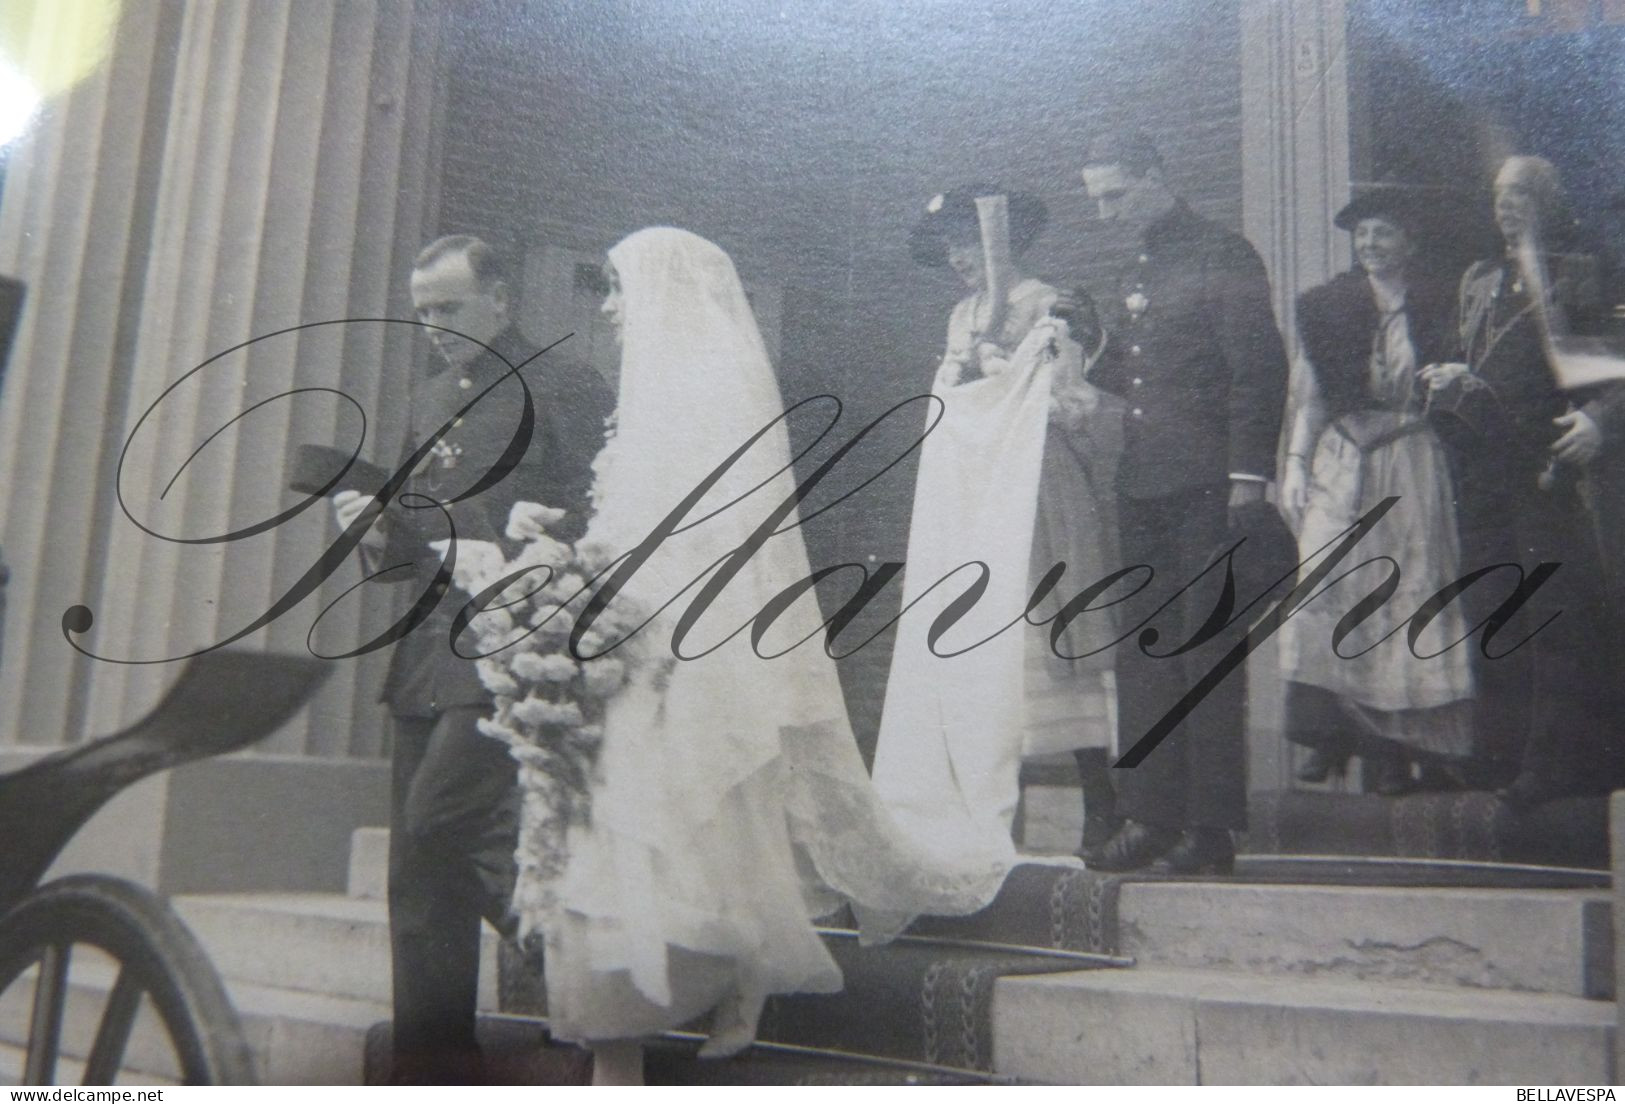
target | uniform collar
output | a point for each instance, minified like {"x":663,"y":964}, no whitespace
{"x":486,"y":367}
{"x":1176,"y":223}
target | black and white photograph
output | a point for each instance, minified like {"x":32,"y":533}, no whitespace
{"x":736,"y":542}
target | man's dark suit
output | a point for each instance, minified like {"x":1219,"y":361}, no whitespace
{"x":1193,"y":348}
{"x":454,"y":807}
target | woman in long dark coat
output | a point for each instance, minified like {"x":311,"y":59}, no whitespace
{"x":1524,"y":449}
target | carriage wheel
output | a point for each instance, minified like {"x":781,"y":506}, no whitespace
{"x":150,"y":976}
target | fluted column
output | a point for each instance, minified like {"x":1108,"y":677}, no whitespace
{"x":74,"y":226}
{"x":238,"y":169}
{"x":1295,"y":177}
{"x":1295,"y":140}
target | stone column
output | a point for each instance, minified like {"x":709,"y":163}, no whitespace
{"x":232,"y":170}
{"x":74,"y":224}
{"x":1295,"y":140}
{"x":1295,"y":177}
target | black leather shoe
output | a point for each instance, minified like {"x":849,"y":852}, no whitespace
{"x":1394,"y":777}
{"x":1100,"y":819}
{"x":1134,"y":847}
{"x":1098,"y":829}
{"x":1199,"y":851}
{"x":1320,"y":765}
{"x":442,"y":1067}
{"x":1530,"y":789}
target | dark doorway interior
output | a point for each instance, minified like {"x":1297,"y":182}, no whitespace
{"x":1447,"y":89}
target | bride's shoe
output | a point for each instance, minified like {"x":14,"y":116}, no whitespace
{"x":732,"y":1031}
{"x":617,"y":1062}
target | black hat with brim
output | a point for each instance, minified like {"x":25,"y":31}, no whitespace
{"x":325,"y":470}
{"x":952,"y":215}
{"x":1414,"y":208}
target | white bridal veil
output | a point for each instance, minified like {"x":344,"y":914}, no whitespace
{"x":696,"y":384}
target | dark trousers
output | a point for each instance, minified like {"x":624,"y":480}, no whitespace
{"x":1196,"y":777}
{"x":453,"y":824}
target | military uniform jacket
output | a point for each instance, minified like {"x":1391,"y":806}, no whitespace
{"x":1193,"y":348}
{"x":571,"y":403}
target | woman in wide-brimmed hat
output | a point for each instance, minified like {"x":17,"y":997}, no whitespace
{"x":1361,"y":435}
{"x":1014,"y":475}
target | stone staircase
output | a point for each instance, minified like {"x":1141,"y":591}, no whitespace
{"x":1320,"y":984}
{"x":308,"y":973}
{"x":1282,"y":975}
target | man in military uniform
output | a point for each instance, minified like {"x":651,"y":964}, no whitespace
{"x":453,"y":819}
{"x":1192,"y":346}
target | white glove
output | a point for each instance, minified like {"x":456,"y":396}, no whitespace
{"x":348,"y":506}
{"x":1440,"y":376}
{"x":529,"y":520}
{"x":479,"y":563}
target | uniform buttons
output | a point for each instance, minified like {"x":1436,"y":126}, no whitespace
{"x":1138,"y":382}
{"x":1134,"y":349}
{"x":465,"y":383}
{"x":1137,"y":412}
{"x":1144,"y":259}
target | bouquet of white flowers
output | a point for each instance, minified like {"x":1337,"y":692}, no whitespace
{"x":549,"y":699}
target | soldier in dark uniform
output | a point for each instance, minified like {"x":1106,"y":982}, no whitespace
{"x":1192,"y":346}
{"x":454,"y":811}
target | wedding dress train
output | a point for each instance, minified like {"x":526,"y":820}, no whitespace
{"x":731,"y":805}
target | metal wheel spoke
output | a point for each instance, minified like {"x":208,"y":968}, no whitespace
{"x":45,"y":1026}
{"x":157,"y":967}
{"x":113,"y":1033}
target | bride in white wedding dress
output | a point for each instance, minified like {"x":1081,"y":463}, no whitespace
{"x":731,"y":805}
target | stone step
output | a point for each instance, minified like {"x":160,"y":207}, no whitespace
{"x":296,"y":1038}
{"x":1462,"y":824}
{"x":305,"y":1038}
{"x":913,"y":1000}
{"x":369,"y":864}
{"x":519,"y":1051}
{"x":69,"y":1071}
{"x":148,"y":1055}
{"x":1051,"y":818}
{"x":1418,"y":921}
{"x":916,"y":1000}
{"x":1169,"y":1026}
{"x":310,"y":942}
{"x":1052,"y":825}
{"x":1545,"y":941}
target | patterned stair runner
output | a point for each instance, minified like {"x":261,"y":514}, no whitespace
{"x":921,"y":998}
{"x":919,"y":1010}
{"x":1471,"y":825}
